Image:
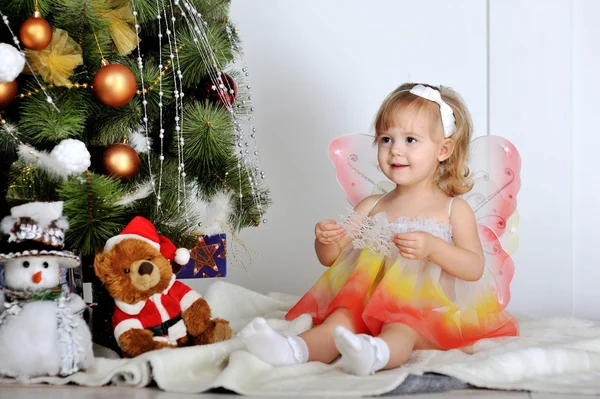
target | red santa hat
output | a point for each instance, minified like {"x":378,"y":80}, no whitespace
{"x":142,"y":229}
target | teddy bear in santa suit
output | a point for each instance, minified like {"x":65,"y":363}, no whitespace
{"x":153,"y":310}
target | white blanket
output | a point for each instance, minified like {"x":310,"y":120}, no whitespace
{"x":552,"y":355}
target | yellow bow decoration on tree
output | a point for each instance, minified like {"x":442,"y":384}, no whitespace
{"x":56,"y":63}
{"x":120,"y":25}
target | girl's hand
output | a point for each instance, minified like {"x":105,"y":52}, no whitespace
{"x":415,"y":245}
{"x":329,"y":232}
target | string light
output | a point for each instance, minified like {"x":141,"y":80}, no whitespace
{"x":143,"y":94}
{"x":194,"y":18}
{"x":161,"y":134}
{"x":178,"y":94}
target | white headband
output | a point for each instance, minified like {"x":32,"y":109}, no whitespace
{"x":445,"y":110}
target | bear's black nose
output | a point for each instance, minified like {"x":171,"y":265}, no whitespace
{"x":145,"y":268}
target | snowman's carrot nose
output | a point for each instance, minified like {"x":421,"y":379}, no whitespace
{"x":36,"y":278}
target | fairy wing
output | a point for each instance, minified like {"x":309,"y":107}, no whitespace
{"x":495,"y":165}
{"x":355,"y":160}
{"x":496,"y":171}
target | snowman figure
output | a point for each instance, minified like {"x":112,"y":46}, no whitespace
{"x":42,"y":330}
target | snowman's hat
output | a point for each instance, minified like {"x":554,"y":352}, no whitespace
{"x":37,"y":229}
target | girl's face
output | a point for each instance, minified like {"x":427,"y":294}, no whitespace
{"x":409,"y":152}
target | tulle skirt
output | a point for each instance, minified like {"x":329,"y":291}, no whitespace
{"x":378,"y":289}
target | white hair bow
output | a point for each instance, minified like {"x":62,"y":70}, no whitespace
{"x":445,"y":110}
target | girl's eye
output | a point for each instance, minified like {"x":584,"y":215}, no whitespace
{"x":385,"y":139}
{"x":411,"y":140}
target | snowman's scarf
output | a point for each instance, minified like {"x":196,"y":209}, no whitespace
{"x":25,"y":296}
{"x":68,"y":339}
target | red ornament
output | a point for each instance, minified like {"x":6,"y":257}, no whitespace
{"x":222,"y":92}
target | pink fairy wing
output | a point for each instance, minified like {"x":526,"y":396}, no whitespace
{"x":498,"y":264}
{"x":495,"y":165}
{"x":355,"y":159}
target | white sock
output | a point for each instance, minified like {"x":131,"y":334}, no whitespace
{"x":361,"y":353}
{"x":270,"y":346}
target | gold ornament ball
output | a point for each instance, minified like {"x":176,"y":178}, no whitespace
{"x":114,"y":85}
{"x":121,"y":160}
{"x":35,"y":33}
{"x":8,"y":92}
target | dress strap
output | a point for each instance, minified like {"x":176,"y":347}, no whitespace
{"x":376,"y":201}
{"x":450,"y":207}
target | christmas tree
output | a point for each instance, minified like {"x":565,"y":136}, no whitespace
{"x":122,"y":108}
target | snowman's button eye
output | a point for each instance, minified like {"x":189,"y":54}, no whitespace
{"x":45,"y":264}
{"x":25,"y":264}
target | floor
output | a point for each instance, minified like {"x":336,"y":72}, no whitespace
{"x":48,"y":392}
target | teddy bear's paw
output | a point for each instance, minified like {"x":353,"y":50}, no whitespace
{"x":222,"y":330}
{"x":135,"y":342}
{"x":197,"y":317}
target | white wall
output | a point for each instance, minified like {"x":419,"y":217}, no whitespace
{"x":530,"y":104}
{"x":319,"y":69}
{"x":586,"y":143}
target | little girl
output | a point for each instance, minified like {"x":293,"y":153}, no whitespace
{"x":407,"y":271}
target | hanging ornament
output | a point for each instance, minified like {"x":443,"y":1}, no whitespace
{"x":121,"y":160}
{"x":223,"y":93}
{"x":12,"y":63}
{"x":114,"y":84}
{"x":72,"y":155}
{"x":56,"y":63}
{"x":8,"y":92}
{"x":35,"y":32}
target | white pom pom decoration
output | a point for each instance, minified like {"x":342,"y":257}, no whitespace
{"x":182,"y":256}
{"x":12,"y":63}
{"x":73,"y":155}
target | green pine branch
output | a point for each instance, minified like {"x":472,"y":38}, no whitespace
{"x":9,"y":140}
{"x":90,"y":206}
{"x":208,"y":140}
{"x":147,"y":12}
{"x":193,"y":65}
{"x":78,"y":17}
{"x":212,"y":10}
{"x":28,"y":184}
{"x":24,"y":8}
{"x":247,"y":213}
{"x":41,"y":123}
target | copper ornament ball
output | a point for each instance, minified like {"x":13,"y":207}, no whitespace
{"x":121,"y":160}
{"x":35,"y":32}
{"x":8,"y":92}
{"x":114,"y":85}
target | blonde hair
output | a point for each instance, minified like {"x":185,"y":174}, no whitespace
{"x":452,"y":175}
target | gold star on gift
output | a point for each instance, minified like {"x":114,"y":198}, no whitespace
{"x":203,"y":256}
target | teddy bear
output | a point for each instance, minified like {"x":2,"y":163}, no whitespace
{"x":153,"y":310}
